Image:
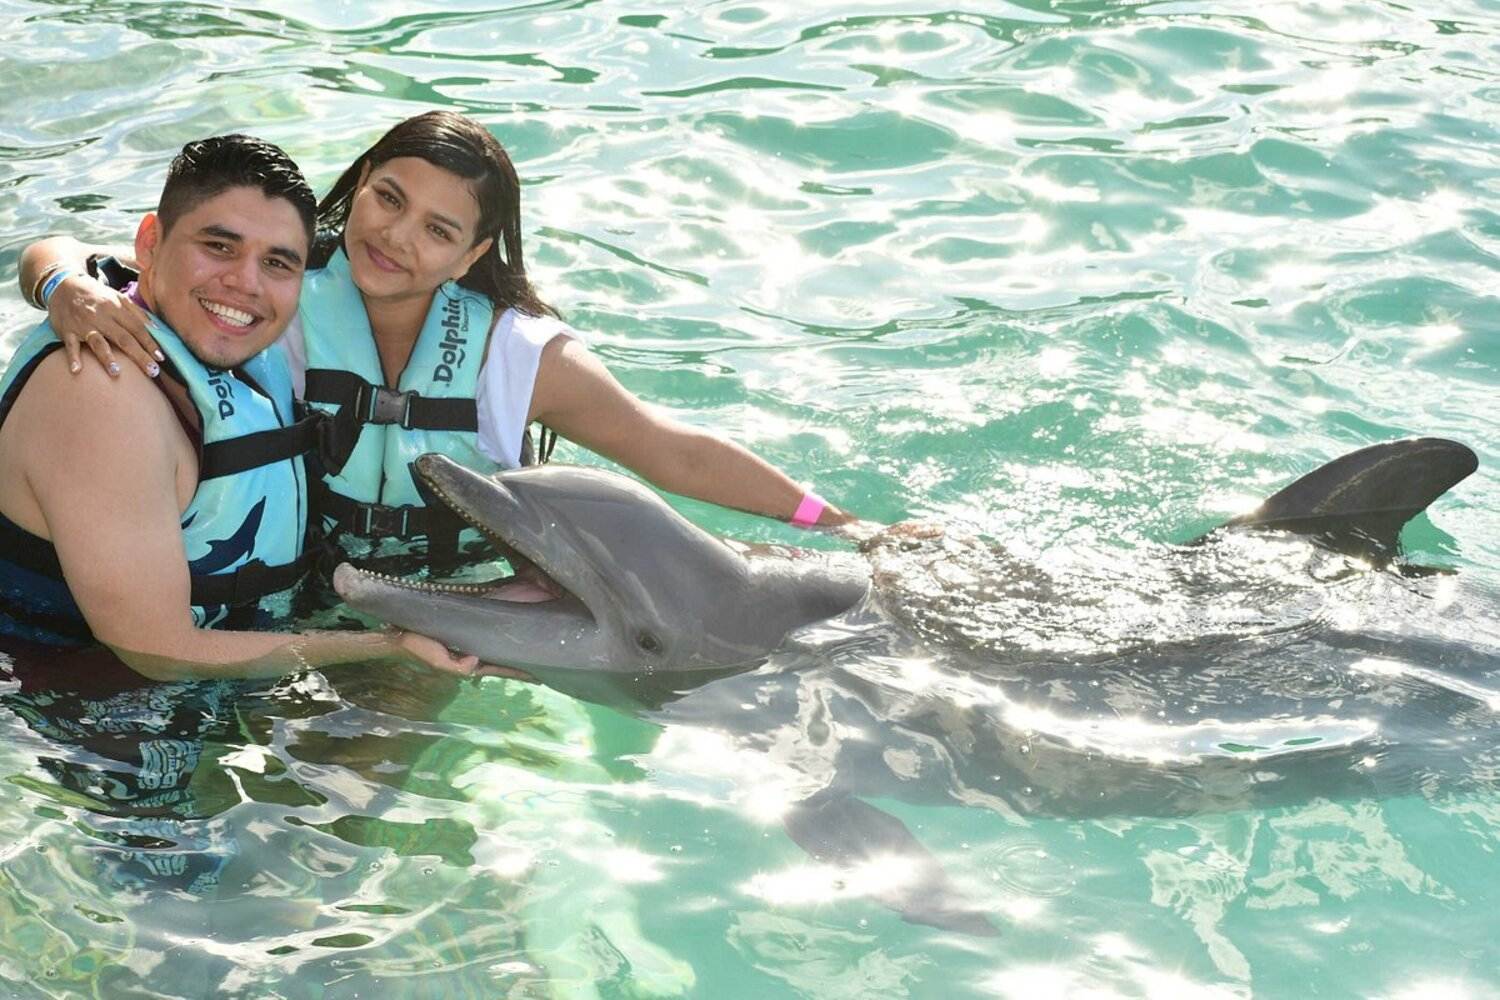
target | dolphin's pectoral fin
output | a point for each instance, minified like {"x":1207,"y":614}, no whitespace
{"x":1360,"y":502}
{"x":841,"y":830}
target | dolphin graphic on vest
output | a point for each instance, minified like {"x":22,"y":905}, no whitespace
{"x":226,"y":552}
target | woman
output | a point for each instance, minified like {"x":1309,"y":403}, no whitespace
{"x":419,"y":331}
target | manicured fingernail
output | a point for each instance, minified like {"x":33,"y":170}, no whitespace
{"x":153,"y":369}
{"x":75,"y":367}
{"x":159,"y":355}
{"x":114,"y":368}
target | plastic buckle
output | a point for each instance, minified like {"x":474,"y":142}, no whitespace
{"x":374,"y":521}
{"x":390,"y":407}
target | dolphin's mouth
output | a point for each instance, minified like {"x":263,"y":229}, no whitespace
{"x":527,"y":585}
{"x":529,"y":582}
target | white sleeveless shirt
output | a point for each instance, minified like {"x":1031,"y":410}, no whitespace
{"x":506,"y":381}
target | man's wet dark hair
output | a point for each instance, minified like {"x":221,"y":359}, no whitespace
{"x":461,"y":146}
{"x":209,"y":167}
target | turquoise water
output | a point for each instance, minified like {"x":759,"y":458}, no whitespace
{"x":1080,"y":276}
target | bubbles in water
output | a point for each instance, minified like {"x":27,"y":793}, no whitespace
{"x":1028,"y":868}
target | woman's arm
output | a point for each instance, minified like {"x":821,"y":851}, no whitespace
{"x":54,"y":276}
{"x":577,"y":397}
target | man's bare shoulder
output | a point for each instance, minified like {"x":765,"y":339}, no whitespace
{"x":67,"y":435}
{"x":59,"y":403}
{"x":73,"y":426}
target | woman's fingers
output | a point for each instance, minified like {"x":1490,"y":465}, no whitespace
{"x":99,"y":344}
{"x":133,"y":319}
{"x":124,"y":325}
{"x":128,"y":343}
{"x":901,"y":535}
{"x":103,"y":344}
{"x":72,"y":349}
{"x":84,"y":311}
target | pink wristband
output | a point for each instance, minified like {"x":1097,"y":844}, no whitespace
{"x":809,"y":510}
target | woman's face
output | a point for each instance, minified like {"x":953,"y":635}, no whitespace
{"x":411,"y":227}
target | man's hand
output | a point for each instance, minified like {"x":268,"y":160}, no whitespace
{"x":434,"y":654}
{"x":439,"y":657}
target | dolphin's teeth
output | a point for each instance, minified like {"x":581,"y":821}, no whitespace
{"x":457,"y":508}
{"x":450,"y":588}
{"x":427,"y":587}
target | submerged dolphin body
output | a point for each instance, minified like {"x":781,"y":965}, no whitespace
{"x":1232,"y":671}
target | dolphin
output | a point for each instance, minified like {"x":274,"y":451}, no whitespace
{"x":647,"y":592}
{"x":1199,"y":679}
{"x":225,"y":552}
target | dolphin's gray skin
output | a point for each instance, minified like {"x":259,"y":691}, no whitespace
{"x":839,"y":829}
{"x":1232,"y":672}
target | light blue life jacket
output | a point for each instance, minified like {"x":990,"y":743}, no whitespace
{"x":374,"y":495}
{"x":246,"y":525}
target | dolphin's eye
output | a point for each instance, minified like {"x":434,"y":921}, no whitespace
{"x":648,"y":642}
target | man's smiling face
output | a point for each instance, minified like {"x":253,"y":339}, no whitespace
{"x":226,"y":276}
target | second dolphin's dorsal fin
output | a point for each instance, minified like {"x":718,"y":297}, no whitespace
{"x":1362,"y":500}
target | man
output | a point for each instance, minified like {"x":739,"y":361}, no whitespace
{"x":140,"y":513}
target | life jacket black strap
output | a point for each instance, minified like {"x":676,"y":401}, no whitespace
{"x":376,"y":404}
{"x":250,"y":582}
{"x":251,"y":451}
{"x":361,"y":403}
{"x":375,"y":520}
{"x":35,"y":554}
{"x":63,"y":626}
{"x":28,"y":551}
{"x":110,"y":271}
{"x":245,"y":585}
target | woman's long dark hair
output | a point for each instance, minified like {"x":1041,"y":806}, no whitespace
{"x":460,"y":146}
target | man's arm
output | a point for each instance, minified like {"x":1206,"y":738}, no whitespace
{"x":107,"y":486}
{"x":576,"y":396}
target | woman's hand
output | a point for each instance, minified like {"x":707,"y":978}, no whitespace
{"x":869,"y":536}
{"x":85,"y":311}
